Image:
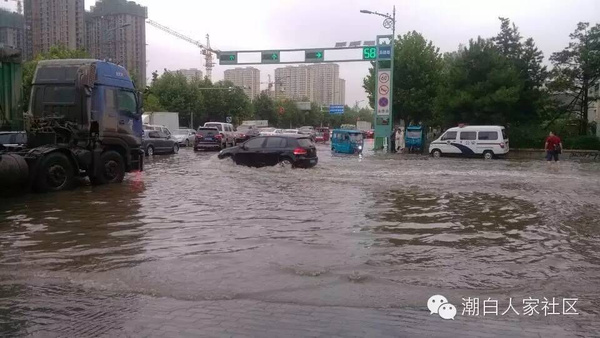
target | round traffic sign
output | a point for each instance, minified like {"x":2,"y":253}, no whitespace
{"x":384,"y":90}
{"x":383,"y":102}
{"x":384,"y":77}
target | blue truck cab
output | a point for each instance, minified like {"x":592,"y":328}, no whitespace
{"x":84,"y":119}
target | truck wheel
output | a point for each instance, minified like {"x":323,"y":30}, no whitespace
{"x":111,"y":169}
{"x":55,"y":173}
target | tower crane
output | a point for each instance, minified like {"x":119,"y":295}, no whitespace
{"x":19,"y":5}
{"x":206,"y":50}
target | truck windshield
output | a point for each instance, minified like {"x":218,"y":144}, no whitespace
{"x":54,"y":101}
{"x":413,"y":134}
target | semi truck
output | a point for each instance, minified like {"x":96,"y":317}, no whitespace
{"x":83,"y":120}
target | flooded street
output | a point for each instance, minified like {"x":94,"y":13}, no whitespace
{"x":381,"y":231}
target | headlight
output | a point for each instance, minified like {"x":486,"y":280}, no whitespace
{"x":359,"y":147}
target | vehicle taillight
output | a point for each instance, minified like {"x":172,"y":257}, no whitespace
{"x":502,"y":145}
{"x":198,"y":136}
{"x":219,"y":136}
{"x":300,"y":151}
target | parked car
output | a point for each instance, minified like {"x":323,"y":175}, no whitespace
{"x":246,"y":132}
{"x":185,"y":137}
{"x":486,"y":141}
{"x":370,"y":133}
{"x":226,"y":130}
{"x":290,"y":131}
{"x":297,"y":151}
{"x":157,"y":127}
{"x":208,"y":138}
{"x":270,"y":131}
{"x":157,"y":142}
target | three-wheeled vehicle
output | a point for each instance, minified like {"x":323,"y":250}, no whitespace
{"x":322,"y":134}
{"x":347,"y":141}
{"x":413,"y":140}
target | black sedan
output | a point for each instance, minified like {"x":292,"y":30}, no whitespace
{"x":294,"y":150}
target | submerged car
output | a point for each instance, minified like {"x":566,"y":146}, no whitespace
{"x":208,"y":138}
{"x":185,"y":137}
{"x":297,"y":151}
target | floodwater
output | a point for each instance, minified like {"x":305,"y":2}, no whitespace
{"x":376,"y":231}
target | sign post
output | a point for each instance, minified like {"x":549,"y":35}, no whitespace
{"x":384,"y":121}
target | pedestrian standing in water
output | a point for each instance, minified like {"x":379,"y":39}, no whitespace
{"x":553,"y":147}
{"x":393,"y":140}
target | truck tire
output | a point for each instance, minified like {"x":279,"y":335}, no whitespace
{"x":111,"y":169}
{"x":55,"y":173}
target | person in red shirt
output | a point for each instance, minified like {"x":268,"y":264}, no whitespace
{"x":553,"y":147}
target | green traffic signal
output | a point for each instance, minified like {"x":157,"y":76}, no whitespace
{"x":231,"y":57}
{"x":369,"y":53}
{"x":314,"y":55}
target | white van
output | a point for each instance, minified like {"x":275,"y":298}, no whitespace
{"x":487,"y":141}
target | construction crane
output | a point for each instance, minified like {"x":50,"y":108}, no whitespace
{"x":19,"y":5}
{"x":206,"y":50}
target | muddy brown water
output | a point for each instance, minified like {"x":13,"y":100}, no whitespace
{"x":376,"y":231}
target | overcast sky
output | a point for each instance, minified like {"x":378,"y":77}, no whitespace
{"x":264,"y":24}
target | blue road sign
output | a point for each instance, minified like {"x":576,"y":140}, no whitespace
{"x":385,"y":52}
{"x":336,"y":109}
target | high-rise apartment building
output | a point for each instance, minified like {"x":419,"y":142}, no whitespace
{"x":340,"y":92}
{"x":318,"y":83}
{"x":116,"y":31}
{"x":294,"y":83}
{"x":11,"y":29}
{"x":191,"y":74}
{"x":248,"y":78}
{"x":53,"y":22}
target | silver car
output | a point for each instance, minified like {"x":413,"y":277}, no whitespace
{"x":185,"y":137}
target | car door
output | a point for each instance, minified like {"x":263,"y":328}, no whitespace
{"x":163,"y":141}
{"x":272,"y":150}
{"x":251,"y":152}
{"x":467,"y":142}
{"x":449,"y":141}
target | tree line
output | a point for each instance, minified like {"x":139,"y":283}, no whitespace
{"x":200,"y":101}
{"x":497,"y":80}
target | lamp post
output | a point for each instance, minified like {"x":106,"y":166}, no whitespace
{"x":389,"y":22}
{"x":108,"y":31}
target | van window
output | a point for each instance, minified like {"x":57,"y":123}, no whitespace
{"x":468,"y":135}
{"x":504,"y":136}
{"x":488,"y":135}
{"x":450,"y":135}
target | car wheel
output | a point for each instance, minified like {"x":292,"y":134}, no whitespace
{"x":488,"y":155}
{"x":286,"y":163}
{"x":150,"y":151}
{"x":436,"y":153}
{"x":175,"y":149}
{"x":111,"y":169}
{"x":56,"y":173}
{"x":187,"y":143}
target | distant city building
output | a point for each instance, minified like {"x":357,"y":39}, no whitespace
{"x":319,"y":83}
{"x":11,"y":30}
{"x":294,"y":82}
{"x":340,"y":92}
{"x":248,"y":78}
{"x":191,"y":74}
{"x":116,"y":31}
{"x":50,"y":23}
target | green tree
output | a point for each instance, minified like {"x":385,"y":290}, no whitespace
{"x":55,"y":52}
{"x":527,"y":60}
{"x":417,"y":68}
{"x":480,"y":86}
{"x":577,"y":70}
{"x":264,"y":108}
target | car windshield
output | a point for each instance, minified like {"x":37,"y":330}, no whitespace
{"x":413,"y":134}
{"x":207,"y":131}
{"x":214,"y":125}
{"x":305,"y":142}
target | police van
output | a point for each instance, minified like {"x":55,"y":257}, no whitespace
{"x":471,"y":141}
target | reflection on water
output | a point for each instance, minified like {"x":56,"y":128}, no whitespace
{"x":352,"y":231}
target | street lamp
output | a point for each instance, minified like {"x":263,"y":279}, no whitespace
{"x":389,"y":22}
{"x":106,"y":38}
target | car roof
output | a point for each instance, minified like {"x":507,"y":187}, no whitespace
{"x":349,"y":131}
{"x":475,"y":128}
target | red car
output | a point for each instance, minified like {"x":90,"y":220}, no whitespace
{"x":322,"y":134}
{"x":369,"y":133}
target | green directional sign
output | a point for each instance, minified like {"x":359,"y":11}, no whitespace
{"x":270,"y":56}
{"x":369,"y":53}
{"x":316,"y":55}
{"x":228,"y":58}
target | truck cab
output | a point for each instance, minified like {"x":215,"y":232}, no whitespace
{"x":84,"y":119}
